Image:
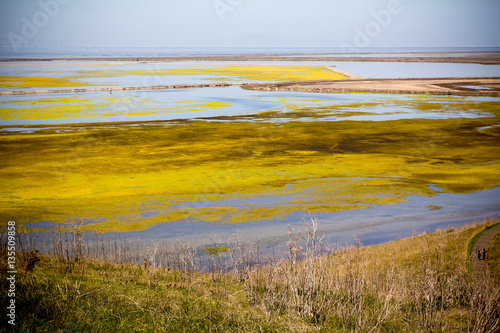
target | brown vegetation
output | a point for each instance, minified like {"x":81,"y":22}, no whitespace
{"x":420,"y":284}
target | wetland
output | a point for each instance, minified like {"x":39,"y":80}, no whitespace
{"x":174,"y":163}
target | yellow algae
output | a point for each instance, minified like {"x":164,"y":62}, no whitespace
{"x":412,"y":105}
{"x":44,"y":101}
{"x":190,"y":106}
{"x":236,"y":172}
{"x":490,"y":130}
{"x":98,"y":107}
{"x":231,"y":73}
{"x":39,"y":82}
{"x":239,"y":73}
{"x":296,"y":108}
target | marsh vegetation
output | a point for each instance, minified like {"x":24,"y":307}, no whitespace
{"x":125,"y":177}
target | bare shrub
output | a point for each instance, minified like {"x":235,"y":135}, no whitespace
{"x":484,"y":307}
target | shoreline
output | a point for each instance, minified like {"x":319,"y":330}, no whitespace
{"x":479,"y":86}
{"x":83,"y":90}
{"x":461,"y":86}
{"x":490,"y":59}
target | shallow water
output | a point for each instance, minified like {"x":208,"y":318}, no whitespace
{"x":476,"y":87}
{"x":109,"y":74}
{"x":399,"y":54}
{"x":77,"y":74}
{"x":101,"y":52}
{"x":282,"y":146}
{"x":417,"y":70}
{"x":376,"y":225}
{"x":210,"y":103}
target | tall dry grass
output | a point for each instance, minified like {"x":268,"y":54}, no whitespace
{"x":419,"y":284}
{"x":410,"y":285}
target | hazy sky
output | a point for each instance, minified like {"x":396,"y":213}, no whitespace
{"x":250,"y":23}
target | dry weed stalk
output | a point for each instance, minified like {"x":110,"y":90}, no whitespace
{"x":484,"y":306}
{"x":340,"y":287}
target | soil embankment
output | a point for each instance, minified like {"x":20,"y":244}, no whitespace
{"x":81,"y":90}
{"x":482,"y":86}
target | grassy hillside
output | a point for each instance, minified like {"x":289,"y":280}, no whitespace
{"x":419,"y":284}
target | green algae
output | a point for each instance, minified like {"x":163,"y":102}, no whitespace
{"x":236,"y":172}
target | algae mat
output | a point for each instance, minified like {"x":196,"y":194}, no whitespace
{"x":234,"y":103}
{"x":138,"y":74}
{"x":97,"y":108}
{"x":118,"y":177}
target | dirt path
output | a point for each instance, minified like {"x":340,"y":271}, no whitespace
{"x":479,"y":269}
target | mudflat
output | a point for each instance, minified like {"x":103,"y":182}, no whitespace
{"x":480,"y":86}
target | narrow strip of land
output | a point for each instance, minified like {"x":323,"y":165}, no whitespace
{"x":436,"y":86}
{"x":479,"y":86}
{"x":111,"y":89}
{"x":349,"y":76}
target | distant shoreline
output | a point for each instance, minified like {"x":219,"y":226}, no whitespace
{"x":491,"y":58}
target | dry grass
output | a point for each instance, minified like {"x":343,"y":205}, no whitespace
{"x":91,"y":283}
{"x":494,"y":258}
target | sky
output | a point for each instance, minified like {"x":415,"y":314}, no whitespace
{"x":250,"y":23}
